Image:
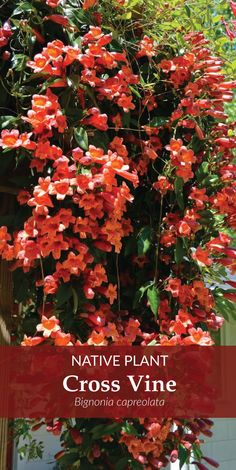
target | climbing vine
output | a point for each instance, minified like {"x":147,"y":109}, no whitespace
{"x":117,"y":146}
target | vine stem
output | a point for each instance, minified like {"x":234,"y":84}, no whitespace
{"x":158,"y":241}
{"x":126,"y":129}
{"x":42,"y":272}
{"x":118,"y":280}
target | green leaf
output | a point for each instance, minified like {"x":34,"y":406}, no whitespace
{"x":126,"y":16}
{"x":183,"y":455}
{"x":132,"y":3}
{"x":24,"y":7}
{"x":216,"y":336}
{"x":153,"y":296}
{"x":126,"y":119}
{"x":197,"y":451}
{"x":49,"y":82}
{"x":121,"y":464}
{"x":64,"y":293}
{"x":101,"y":140}
{"x":179,"y":184}
{"x":77,"y":16}
{"x":144,"y":240}
{"x":19,"y":62}
{"x":81,"y":137}
{"x":75,"y":300}
{"x":179,"y":250}
{"x":202,"y":171}
{"x":136,"y":465}
{"x":68,"y":459}
{"x":128,"y":428}
{"x":140,"y":293}
{"x":188,"y":11}
{"x":159,"y":121}
{"x":210,"y":180}
{"x":6,"y":121}
{"x":225,"y":307}
{"x":135,"y":91}
{"x":85,"y":465}
{"x":105,"y":430}
{"x":129,"y":246}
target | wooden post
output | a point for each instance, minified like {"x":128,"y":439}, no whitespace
{"x":6,"y":305}
{"x":7,"y":203}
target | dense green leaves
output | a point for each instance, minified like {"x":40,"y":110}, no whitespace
{"x":121,"y":464}
{"x":64,"y":293}
{"x":183,"y":455}
{"x":225,"y":307}
{"x":153,"y":296}
{"x":7,"y":121}
{"x":140,"y":293}
{"x":179,"y":184}
{"x":144,"y":237}
{"x":179,"y":250}
{"x":81,"y":137}
{"x":105,"y":430}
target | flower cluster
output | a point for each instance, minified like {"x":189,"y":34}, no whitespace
{"x":124,"y":167}
{"x":5,"y":34}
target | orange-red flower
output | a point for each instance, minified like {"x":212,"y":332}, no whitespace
{"x":48,"y":326}
{"x":10,"y":139}
{"x":5,"y":34}
{"x":23,"y":197}
{"x":97,"y":339}
{"x":163,"y":185}
{"x":29,"y":341}
{"x":184,"y":228}
{"x":96,"y":119}
{"x":50,"y":285}
{"x":4,"y":237}
{"x":202,"y":257}
{"x":199,"y":196}
{"x":59,"y":19}
{"x":174,"y":287}
{"x":111,"y":293}
{"x":62,"y":339}
{"x":61,"y":189}
{"x":89,"y":4}
{"x":146,"y":47}
{"x":125,"y":102}
{"x":53,"y":3}
{"x":199,"y":337}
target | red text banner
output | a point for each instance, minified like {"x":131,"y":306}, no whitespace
{"x":118,"y":381}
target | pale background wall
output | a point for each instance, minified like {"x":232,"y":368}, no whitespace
{"x":51,"y":447}
{"x":222,"y":446}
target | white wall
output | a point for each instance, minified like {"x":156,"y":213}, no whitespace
{"x":51,"y":447}
{"x":222,"y":446}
